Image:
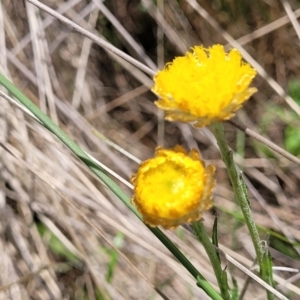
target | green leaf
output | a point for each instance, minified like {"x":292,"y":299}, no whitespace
{"x":214,"y":258}
{"x":114,"y":255}
{"x":56,"y":246}
{"x":269,"y":263}
{"x":235,"y":290}
{"x":284,"y":247}
{"x":294,"y":90}
{"x":215,"y":235}
{"x":292,"y":140}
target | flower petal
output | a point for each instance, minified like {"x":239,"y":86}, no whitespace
{"x":204,"y":86}
{"x":173,"y":187}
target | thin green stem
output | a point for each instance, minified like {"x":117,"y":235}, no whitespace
{"x":201,"y":281}
{"x":82,"y":155}
{"x":210,"y":249}
{"x":241,"y":194}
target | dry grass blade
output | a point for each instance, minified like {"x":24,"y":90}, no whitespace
{"x":80,"y":85}
{"x":97,"y":40}
{"x":119,"y":27}
{"x":268,"y":143}
{"x":266,"y":29}
{"x":292,"y":16}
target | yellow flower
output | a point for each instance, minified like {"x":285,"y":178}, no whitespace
{"x":173,"y":187}
{"x":205,"y":86}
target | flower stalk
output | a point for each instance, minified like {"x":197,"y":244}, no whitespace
{"x":210,"y":249}
{"x":241,"y":194}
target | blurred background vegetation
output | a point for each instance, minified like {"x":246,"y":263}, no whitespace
{"x":47,"y":250}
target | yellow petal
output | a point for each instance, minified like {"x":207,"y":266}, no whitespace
{"x":173,"y":187}
{"x":204,"y":86}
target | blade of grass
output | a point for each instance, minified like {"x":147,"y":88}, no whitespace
{"x":101,"y":42}
{"x":98,"y":171}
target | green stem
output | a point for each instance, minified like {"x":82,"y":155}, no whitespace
{"x":241,"y":194}
{"x":210,"y":249}
{"x":201,"y":281}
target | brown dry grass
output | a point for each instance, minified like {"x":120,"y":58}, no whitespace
{"x":47,"y":248}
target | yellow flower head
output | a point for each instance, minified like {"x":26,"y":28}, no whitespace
{"x":173,"y":187}
{"x":205,"y":86}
